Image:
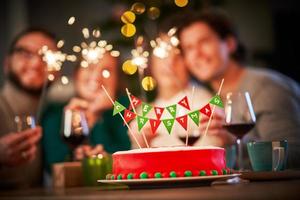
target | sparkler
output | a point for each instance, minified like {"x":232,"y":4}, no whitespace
{"x":93,"y":51}
{"x":162,"y":48}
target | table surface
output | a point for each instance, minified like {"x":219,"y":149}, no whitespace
{"x":275,"y":189}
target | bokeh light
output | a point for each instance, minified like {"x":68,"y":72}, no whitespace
{"x":128,"y":17}
{"x":148,"y":83}
{"x":153,"y":13}
{"x":128,"y":67}
{"x":128,"y":30}
{"x":138,"y":8}
{"x":181,"y":3}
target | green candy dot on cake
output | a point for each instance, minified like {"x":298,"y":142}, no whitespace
{"x":143,"y":175}
{"x":157,"y":175}
{"x":173,"y":174}
{"x":112,"y":177}
{"x":188,"y":173}
{"x":224,"y":171}
{"x":119,"y":177}
{"x":214,"y":172}
{"x":202,"y":173}
{"x":130,"y":176}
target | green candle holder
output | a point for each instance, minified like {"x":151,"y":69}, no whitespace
{"x":95,"y":168}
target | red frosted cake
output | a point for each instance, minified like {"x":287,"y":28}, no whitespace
{"x":165,"y":162}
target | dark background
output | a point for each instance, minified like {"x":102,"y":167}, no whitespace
{"x":267,"y":28}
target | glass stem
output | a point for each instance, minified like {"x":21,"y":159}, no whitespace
{"x":240,"y":166}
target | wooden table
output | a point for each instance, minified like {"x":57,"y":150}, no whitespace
{"x":276,"y":189}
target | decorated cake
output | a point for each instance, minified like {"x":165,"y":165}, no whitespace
{"x":166,"y":162}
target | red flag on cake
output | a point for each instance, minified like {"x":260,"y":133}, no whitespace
{"x":128,"y":115}
{"x":206,"y":110}
{"x":154,"y":123}
{"x":182,"y":121}
{"x":184,"y":103}
{"x":135,"y":102}
{"x":159,"y":111}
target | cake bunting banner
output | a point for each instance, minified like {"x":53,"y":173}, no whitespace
{"x":141,"y":121}
{"x":128,"y":115}
{"x":183,"y":120}
{"x":146,"y":108}
{"x":206,"y":110}
{"x":184,"y":103}
{"x":158,"y":112}
{"x":195,"y":116}
{"x":154,"y":124}
{"x":216,"y":100}
{"x":168,"y":124}
{"x":172,"y":110}
{"x":118,"y":108}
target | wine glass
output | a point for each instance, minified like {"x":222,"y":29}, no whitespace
{"x":239,"y":119}
{"x":24,"y":122}
{"x":75,"y":128}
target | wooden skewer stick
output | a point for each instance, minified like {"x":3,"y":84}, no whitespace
{"x":187,"y":133}
{"x":144,"y":137}
{"x":213,"y":110}
{"x":130,"y":131}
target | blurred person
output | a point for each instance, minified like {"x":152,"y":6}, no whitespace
{"x":173,"y":84}
{"x":107,"y":133}
{"x":212,"y":51}
{"x":26,"y":72}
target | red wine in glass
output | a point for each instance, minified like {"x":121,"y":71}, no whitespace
{"x":75,"y":128}
{"x":239,"y":129}
{"x":192,"y":139}
{"x":239,"y":119}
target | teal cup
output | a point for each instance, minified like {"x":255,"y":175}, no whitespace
{"x":95,"y":168}
{"x":268,"y":155}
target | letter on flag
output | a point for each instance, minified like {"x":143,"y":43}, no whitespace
{"x":128,"y":115}
{"x":195,"y":117}
{"x":159,"y":111}
{"x":135,"y":102}
{"x":118,"y":108}
{"x":206,"y":110}
{"x":146,"y":108}
{"x":182,"y":121}
{"x":216,"y":100}
{"x":168,"y":124}
{"x":141,"y":122}
{"x":172,"y":110}
{"x":184,"y":103}
{"x":154,"y":123}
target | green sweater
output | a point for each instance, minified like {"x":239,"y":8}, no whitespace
{"x":108,"y":131}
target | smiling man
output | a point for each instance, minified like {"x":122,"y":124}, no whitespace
{"x":26,"y":72}
{"x":212,"y":51}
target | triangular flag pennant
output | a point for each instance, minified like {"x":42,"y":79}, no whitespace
{"x":135,"y":102}
{"x":216,"y":100}
{"x":141,"y":122}
{"x":154,"y":123}
{"x":159,"y":111}
{"x":184,"y":103}
{"x":206,"y":110}
{"x":172,"y":110}
{"x":128,"y":115}
{"x":195,"y":117}
{"x":146,"y":108}
{"x":118,"y":108}
{"x":168,"y":124}
{"x":182,"y":121}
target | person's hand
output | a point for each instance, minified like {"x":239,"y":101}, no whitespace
{"x":216,"y":127}
{"x":87,"y":151}
{"x":19,"y":148}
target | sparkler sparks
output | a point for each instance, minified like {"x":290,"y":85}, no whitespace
{"x":162,"y":48}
